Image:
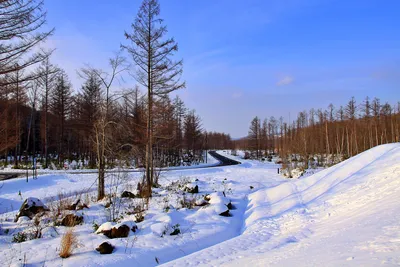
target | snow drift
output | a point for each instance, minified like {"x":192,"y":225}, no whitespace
{"x":345,"y":215}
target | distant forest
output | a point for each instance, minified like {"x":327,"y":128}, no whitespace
{"x":63,"y":125}
{"x":327,"y":136}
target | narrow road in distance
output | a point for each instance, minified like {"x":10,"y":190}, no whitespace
{"x":223,"y":161}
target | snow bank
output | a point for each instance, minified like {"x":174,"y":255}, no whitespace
{"x":345,"y":215}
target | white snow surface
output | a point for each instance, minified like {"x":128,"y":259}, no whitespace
{"x":346,"y":215}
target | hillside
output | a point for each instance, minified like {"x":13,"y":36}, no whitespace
{"x":346,"y":215}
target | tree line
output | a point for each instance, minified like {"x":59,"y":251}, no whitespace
{"x":327,"y":136}
{"x":43,"y":118}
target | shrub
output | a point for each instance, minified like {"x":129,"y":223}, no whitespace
{"x":68,"y":243}
{"x":95,"y":226}
{"x":188,"y":203}
{"x":139,"y":217}
{"x":20,"y":237}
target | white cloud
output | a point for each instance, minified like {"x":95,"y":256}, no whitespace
{"x":285,"y":81}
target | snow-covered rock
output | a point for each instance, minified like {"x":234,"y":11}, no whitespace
{"x":30,"y":208}
{"x":107,"y":226}
{"x":220,"y":209}
{"x":23,"y":219}
{"x":160,"y":229}
{"x":192,"y":188}
{"x":118,"y":230}
{"x":218,"y":197}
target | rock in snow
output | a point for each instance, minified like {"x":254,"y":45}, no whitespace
{"x":127,"y":194}
{"x":30,"y":208}
{"x":192,"y":188}
{"x":71,"y":220}
{"x":118,"y":230}
{"x":105,"y":248}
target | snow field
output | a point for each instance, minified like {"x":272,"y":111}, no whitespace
{"x":200,"y":227}
{"x":347,"y":215}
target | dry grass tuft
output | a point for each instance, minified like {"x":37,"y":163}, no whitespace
{"x":68,"y":243}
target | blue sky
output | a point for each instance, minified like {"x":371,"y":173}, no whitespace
{"x":248,"y":58}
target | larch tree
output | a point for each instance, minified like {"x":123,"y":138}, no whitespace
{"x":91,"y":101}
{"x":47,"y":74}
{"x":8,"y":129}
{"x":179,"y":115}
{"x":103,"y":136}
{"x":156,"y":70}
{"x":192,"y":132}
{"x":255,"y":135}
{"x":20,"y":23}
{"x":18,"y":86}
{"x":60,"y":106}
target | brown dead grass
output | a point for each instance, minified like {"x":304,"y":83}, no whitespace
{"x":68,"y":243}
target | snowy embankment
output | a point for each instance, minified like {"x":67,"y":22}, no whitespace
{"x":346,"y":215}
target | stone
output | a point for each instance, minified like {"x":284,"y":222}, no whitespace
{"x":105,"y":248}
{"x":121,"y":231}
{"x":127,"y":194}
{"x":74,"y":205}
{"x":225,"y":214}
{"x":30,"y":208}
{"x":82,"y":206}
{"x":117,"y":231}
{"x":176,"y":231}
{"x":192,"y":190}
{"x":23,"y":219}
{"x":201,"y":203}
{"x":230,"y":206}
{"x":71,"y":220}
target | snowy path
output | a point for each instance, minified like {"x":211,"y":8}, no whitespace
{"x":212,"y":162}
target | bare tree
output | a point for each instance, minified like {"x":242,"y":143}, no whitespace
{"x":155,"y":70}
{"x":90,"y":109}
{"x":103,"y":134}
{"x":60,"y":106}
{"x":47,"y":78}
{"x":17,"y":84}
{"x":20,"y":21}
{"x":255,"y":135}
{"x":8,"y":129}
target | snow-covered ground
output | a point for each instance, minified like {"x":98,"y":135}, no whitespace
{"x":71,"y":168}
{"x":348,"y":214}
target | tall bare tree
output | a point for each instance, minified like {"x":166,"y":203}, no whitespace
{"x":17,"y":83}
{"x":103,"y":134}
{"x":20,"y":22}
{"x":60,"y":106}
{"x":47,"y":74}
{"x":155,"y":69}
{"x":255,"y":136}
